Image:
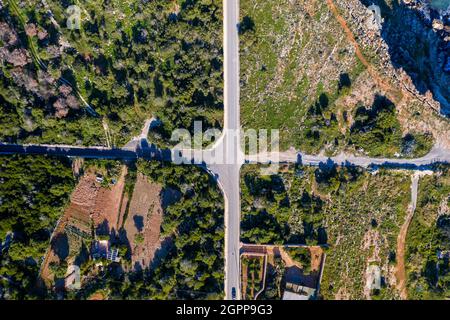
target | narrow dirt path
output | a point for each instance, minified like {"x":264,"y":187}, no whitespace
{"x":252,"y":289}
{"x":244,"y":281}
{"x":400,"y":273}
{"x":392,"y":93}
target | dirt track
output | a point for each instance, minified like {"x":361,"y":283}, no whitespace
{"x":401,"y":241}
{"x":403,"y":94}
{"x":383,"y":84}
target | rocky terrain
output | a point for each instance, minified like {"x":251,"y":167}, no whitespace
{"x":308,"y":66}
{"x":436,"y":13}
{"x":410,"y":55}
{"x":414,"y":37}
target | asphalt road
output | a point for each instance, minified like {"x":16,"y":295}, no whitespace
{"x":227,"y":149}
{"x":436,"y":155}
{"x":144,"y":150}
{"x":228,"y":173}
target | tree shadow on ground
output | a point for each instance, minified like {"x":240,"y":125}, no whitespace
{"x":162,"y":252}
{"x":60,"y":245}
{"x":103,"y":228}
{"x":169,"y":196}
{"x":138,"y":222}
{"x":297,"y":276}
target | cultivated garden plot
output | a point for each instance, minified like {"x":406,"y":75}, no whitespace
{"x":271,"y":272}
{"x":82,"y":230}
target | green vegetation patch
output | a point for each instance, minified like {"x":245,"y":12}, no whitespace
{"x":128,"y":62}
{"x":281,"y":208}
{"x":364,"y":218}
{"x":294,"y":56}
{"x":428,"y":240}
{"x":254,"y":267}
{"x":33,"y":193}
{"x":300,"y":75}
{"x":356,"y":213}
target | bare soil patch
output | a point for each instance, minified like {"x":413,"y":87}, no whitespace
{"x":106,"y":209}
{"x":97,"y":296}
{"x":91,"y":205}
{"x":143,"y":222}
{"x":400,"y":272}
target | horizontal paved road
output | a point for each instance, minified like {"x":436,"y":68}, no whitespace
{"x":226,"y":172}
{"x":436,"y":155}
{"x":150,"y":152}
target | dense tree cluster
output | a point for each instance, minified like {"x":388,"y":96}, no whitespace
{"x":377,"y":129}
{"x":33,"y":192}
{"x":128,"y":62}
{"x":281,"y":208}
{"x":302,"y":255}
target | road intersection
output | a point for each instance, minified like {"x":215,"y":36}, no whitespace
{"x":228,"y":150}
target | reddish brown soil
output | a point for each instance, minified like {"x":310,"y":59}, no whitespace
{"x":392,"y":93}
{"x":316,"y":258}
{"x":89,"y":203}
{"x":400,"y":273}
{"x":245,"y":275}
{"x":106,"y":209}
{"x":145,"y":218}
{"x":403,"y":94}
{"x":97,"y":296}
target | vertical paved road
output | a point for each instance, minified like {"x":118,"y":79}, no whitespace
{"x":228,"y":145}
{"x":228,"y":174}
